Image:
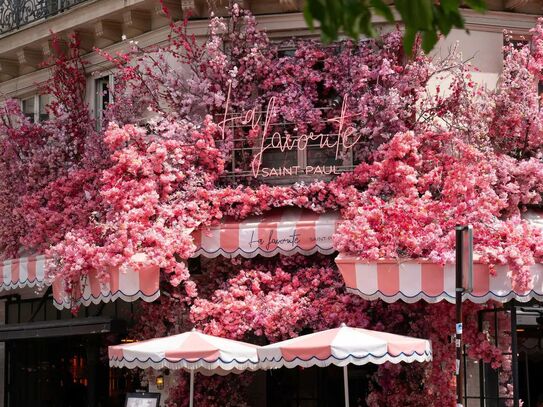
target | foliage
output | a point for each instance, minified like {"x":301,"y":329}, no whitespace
{"x":428,"y":158}
{"x":427,"y":17}
{"x":45,"y":164}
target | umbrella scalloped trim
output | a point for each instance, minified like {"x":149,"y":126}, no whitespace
{"x":350,"y":359}
{"x":233,"y":365}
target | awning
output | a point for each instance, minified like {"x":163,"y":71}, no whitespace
{"x":22,"y":272}
{"x":126,"y":285}
{"x":411,"y":281}
{"x":286,"y":231}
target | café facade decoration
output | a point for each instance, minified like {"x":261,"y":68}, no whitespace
{"x":261,"y":126}
{"x":224,"y":171}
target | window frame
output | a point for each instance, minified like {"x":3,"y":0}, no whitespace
{"x":36,"y":115}
{"x":97,"y":101}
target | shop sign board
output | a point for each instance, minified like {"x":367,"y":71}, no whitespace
{"x":142,"y":400}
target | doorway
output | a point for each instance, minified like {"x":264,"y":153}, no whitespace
{"x":48,"y":372}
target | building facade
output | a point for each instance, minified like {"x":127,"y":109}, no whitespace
{"x":38,"y":339}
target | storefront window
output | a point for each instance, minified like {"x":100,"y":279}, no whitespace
{"x":483,"y":383}
{"x":286,"y":154}
{"x":29,"y":108}
{"x":319,"y":156}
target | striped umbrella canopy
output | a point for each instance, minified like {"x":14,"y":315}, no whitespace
{"x":342,"y":346}
{"x":192,"y":351}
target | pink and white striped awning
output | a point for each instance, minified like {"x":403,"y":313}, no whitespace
{"x":22,"y":272}
{"x":126,"y":285}
{"x":411,"y":281}
{"x":286,"y":231}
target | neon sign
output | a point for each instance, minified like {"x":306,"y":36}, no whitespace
{"x":345,"y":139}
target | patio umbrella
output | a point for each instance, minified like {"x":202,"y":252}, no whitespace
{"x":192,"y":351}
{"x":344,"y":345}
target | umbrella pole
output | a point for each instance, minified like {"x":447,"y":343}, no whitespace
{"x":346,"y":385}
{"x":191,"y":399}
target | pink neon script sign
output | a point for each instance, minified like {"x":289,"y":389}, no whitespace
{"x":345,"y":140}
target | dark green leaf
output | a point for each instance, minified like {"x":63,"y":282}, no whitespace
{"x":309,"y":17}
{"x":382,"y":9}
{"x":315,"y":9}
{"x":442,"y":20}
{"x":408,"y":40}
{"x":428,"y":17}
{"x":450,"y":5}
{"x":416,"y":13}
{"x":429,"y":39}
{"x":477,"y":5}
{"x":365,"y":25}
{"x":456,"y":19}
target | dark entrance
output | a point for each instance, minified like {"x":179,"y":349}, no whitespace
{"x":56,"y":372}
{"x":531,"y":376}
{"x":55,"y":359}
{"x":63,"y":372}
{"x":517,"y":330}
{"x":530,"y":343}
{"x":317,"y":386}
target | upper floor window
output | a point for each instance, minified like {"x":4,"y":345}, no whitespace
{"x":35,"y":108}
{"x":517,"y":41}
{"x":103,"y":96}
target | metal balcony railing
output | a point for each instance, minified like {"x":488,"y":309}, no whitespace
{"x":14,"y":14}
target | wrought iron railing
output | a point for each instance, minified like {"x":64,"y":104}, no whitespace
{"x":16,"y":13}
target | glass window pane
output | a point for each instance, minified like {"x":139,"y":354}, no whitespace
{"x":26,"y":310}
{"x":43,"y":114}
{"x":66,"y":314}
{"x":491,"y":382}
{"x":109,"y":309}
{"x":51,"y":311}
{"x":102,"y":98}
{"x":28,"y":106}
{"x":322,"y":156}
{"x":104,"y":89}
{"x":13,"y":313}
{"x":275,"y":158}
{"x":124,"y":311}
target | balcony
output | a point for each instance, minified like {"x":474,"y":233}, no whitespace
{"x":17,"y":13}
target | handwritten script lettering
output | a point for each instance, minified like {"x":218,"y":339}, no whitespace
{"x":345,"y":139}
{"x":271,"y":239}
